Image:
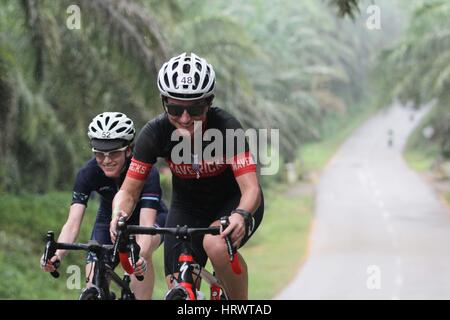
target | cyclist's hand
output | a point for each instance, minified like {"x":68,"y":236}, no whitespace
{"x":141,"y":267}
{"x":49,"y":266}
{"x":236,"y":229}
{"x":113,"y":225}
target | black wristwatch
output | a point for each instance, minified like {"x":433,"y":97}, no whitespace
{"x":248,"y":219}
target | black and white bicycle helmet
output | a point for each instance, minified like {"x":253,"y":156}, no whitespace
{"x":186,"y":77}
{"x":111,"y":130}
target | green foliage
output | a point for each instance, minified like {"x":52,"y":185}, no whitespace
{"x":280,"y":64}
{"x":419,"y":69}
{"x":25,"y":221}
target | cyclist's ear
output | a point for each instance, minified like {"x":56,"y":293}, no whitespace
{"x":209,"y":100}
{"x":129,"y":151}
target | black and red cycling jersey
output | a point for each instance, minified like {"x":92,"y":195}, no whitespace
{"x":199,"y":185}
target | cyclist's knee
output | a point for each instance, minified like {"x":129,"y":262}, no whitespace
{"x":216,"y":249}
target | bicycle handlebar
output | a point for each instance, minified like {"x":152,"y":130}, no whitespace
{"x":185,"y":234}
{"x":51,"y":246}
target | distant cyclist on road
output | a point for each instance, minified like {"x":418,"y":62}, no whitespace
{"x":111,"y":135}
{"x":390,"y":137}
{"x":203,"y":190}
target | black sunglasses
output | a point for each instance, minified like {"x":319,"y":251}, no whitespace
{"x":177,"y":110}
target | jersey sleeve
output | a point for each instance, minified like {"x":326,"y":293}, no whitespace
{"x":239,"y":158}
{"x":151,"y":192}
{"x":146,"y":150}
{"x":82,"y":188}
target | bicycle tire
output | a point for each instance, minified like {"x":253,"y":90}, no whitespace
{"x":91,"y":294}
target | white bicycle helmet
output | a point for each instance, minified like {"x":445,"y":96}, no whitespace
{"x":186,"y":77}
{"x":111,"y":130}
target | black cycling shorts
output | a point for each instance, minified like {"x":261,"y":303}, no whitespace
{"x":180,"y":216}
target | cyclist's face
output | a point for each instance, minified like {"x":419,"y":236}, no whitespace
{"x":182,"y":114}
{"x":112,"y":162}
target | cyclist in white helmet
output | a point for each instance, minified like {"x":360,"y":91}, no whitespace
{"x":111,"y":135}
{"x":203,"y":190}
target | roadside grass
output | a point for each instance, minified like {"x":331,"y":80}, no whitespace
{"x":447,"y":197}
{"x":418,"y":160}
{"x":420,"y":154}
{"x":274,"y":255}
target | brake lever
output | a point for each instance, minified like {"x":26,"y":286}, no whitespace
{"x":225,"y":222}
{"x":119,"y":245}
{"x":134,"y":253}
{"x":49,"y":252}
{"x":232,"y":251}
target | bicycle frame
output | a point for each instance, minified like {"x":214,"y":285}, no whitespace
{"x":186,"y":279}
{"x":187,"y":265}
{"x":104,"y":273}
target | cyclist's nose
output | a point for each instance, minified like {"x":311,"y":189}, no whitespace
{"x":107,"y":159}
{"x":185,"y":117}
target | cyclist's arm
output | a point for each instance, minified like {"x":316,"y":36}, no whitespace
{"x":69,"y":231}
{"x":125,"y":200}
{"x":250,"y":191}
{"x":147,"y":219}
{"x":250,"y":201}
{"x":71,"y":228}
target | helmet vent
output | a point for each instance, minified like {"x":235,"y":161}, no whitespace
{"x":166,"y":80}
{"x":174,"y":79}
{"x":114,"y":124}
{"x":205,"y":82}
{"x":196,"y":81}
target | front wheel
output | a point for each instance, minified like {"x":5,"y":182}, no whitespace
{"x":92,"y":294}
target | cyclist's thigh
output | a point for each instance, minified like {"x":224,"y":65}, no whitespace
{"x":172,"y":246}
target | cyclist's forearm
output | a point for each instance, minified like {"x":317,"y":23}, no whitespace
{"x":147,"y":219}
{"x":123,"y":201}
{"x":69,"y":234}
{"x":71,"y":229}
{"x":250,"y":191}
{"x":250,"y":199}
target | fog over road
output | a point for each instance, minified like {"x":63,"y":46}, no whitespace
{"x":380,"y":231}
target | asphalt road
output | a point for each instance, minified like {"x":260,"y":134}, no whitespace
{"x":380,"y":231}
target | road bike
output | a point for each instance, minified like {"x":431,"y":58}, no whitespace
{"x":105,"y":262}
{"x":189,"y":272}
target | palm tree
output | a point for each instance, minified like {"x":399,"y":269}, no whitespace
{"x":420,"y":67}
